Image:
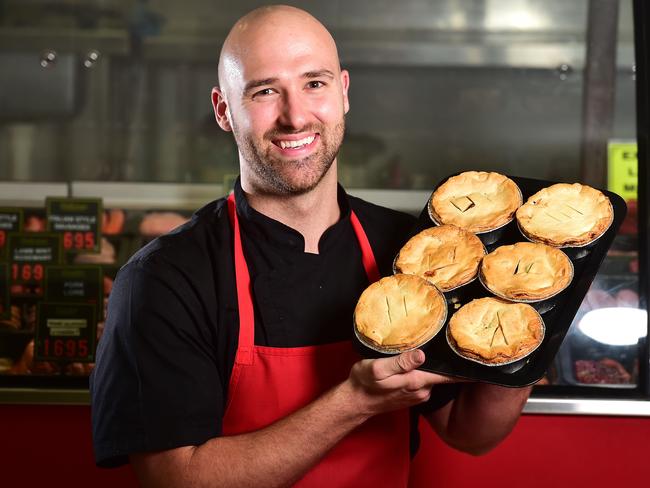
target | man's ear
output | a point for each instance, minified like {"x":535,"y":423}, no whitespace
{"x":345,"y":84}
{"x":221,"y":112}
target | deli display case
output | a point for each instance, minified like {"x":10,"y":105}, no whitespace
{"x":546,"y":90}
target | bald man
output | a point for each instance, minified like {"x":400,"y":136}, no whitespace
{"x":226,"y":358}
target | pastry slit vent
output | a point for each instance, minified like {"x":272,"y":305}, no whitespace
{"x":390,"y":319}
{"x":517,"y":267}
{"x":453,"y":256}
{"x":502,"y":331}
{"x":574,"y":209}
{"x":529,"y":267}
{"x":499,"y":327}
{"x":553,"y":217}
{"x":462,"y":205}
{"x":405,"y":309}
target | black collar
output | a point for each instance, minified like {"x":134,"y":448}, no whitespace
{"x":258,"y":226}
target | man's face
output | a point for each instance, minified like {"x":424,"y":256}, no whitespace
{"x":286,"y":100}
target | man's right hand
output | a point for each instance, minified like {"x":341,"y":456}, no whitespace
{"x":386,"y":384}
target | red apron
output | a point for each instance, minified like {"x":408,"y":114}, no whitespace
{"x":269,"y":383}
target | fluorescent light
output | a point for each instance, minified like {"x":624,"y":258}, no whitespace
{"x":616,"y":326}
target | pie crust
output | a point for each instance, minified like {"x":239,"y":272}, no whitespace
{"x":475,"y":200}
{"x":526,"y":271}
{"x":494,"y":331}
{"x":399,"y":312}
{"x":446,"y":256}
{"x":565,"y":215}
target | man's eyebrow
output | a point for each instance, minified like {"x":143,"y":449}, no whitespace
{"x":256,"y":83}
{"x":268,"y":81}
{"x":318,"y":74}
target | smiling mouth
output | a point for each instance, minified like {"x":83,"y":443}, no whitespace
{"x":305,"y":141}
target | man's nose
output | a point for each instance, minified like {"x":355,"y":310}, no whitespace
{"x":293,"y":113}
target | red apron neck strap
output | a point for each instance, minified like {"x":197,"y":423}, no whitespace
{"x":367,"y":256}
{"x":244,"y":292}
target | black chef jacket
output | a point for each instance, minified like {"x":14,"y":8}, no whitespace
{"x":168,"y":347}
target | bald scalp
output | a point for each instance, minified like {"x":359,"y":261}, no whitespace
{"x":255,"y":23}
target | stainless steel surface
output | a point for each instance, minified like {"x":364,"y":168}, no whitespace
{"x":33,"y":396}
{"x":505,"y":33}
{"x":192,"y":196}
{"x":442,"y":85}
{"x":566,"y":406}
{"x":410,"y":201}
{"x":599,"y":92}
{"x":536,"y":406}
{"x":148,"y":195}
{"x":44,"y":85}
{"x":64,"y":40}
{"x":29,"y":194}
{"x":414,"y":49}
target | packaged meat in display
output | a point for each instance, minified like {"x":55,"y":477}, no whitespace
{"x":155,"y":224}
{"x":603,"y":371}
{"x":627,"y":298}
{"x":603,"y":345}
{"x":107,"y":255}
{"x":113,"y":221}
{"x":35,"y":223}
{"x":14,"y":321}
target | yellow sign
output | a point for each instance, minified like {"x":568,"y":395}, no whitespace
{"x":622,"y":169}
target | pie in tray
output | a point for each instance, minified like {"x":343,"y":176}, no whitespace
{"x":446,"y":256}
{"x":475,"y":200}
{"x":495,"y":332}
{"x":565,"y":215}
{"x":526,"y":271}
{"x":398,"y":313}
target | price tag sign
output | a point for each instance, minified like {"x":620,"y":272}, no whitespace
{"x":11,"y":220}
{"x":29,"y":253}
{"x":78,"y":220}
{"x":65,"y":332}
{"x":622,"y":169}
{"x":75,"y":284}
{"x":5,"y":304}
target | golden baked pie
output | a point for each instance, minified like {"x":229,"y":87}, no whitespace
{"x":526,"y":271}
{"x":446,"y":256}
{"x":494,"y":331}
{"x":476,"y":201}
{"x":399,"y":312}
{"x":563,"y":214}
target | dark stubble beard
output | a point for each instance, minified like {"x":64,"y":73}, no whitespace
{"x":269,"y":169}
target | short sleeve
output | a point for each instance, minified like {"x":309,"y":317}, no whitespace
{"x":155,"y":385}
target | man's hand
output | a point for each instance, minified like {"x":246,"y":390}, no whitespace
{"x":386,"y":384}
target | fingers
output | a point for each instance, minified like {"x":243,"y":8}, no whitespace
{"x":415,"y":380}
{"x":391,"y":383}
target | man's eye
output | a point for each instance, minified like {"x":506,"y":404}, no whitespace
{"x":264,"y":92}
{"x":315,"y":84}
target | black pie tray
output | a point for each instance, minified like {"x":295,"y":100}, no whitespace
{"x":439,"y":356}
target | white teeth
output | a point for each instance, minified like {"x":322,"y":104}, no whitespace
{"x":295,"y":144}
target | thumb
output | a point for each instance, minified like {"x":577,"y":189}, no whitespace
{"x":408,"y":361}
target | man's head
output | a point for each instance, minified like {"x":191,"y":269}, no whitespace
{"x":284,"y":96}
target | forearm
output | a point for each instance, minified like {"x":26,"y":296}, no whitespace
{"x":275,"y":456}
{"x":283,"y":452}
{"x":480,"y":417}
